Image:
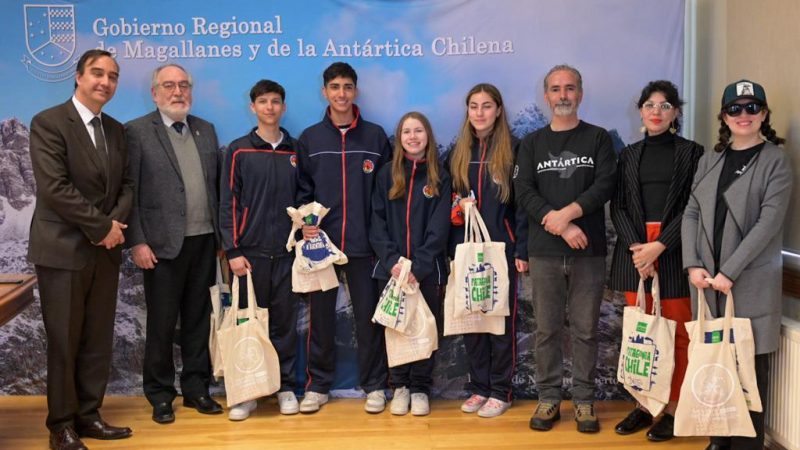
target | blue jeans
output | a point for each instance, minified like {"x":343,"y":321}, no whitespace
{"x":566,"y":286}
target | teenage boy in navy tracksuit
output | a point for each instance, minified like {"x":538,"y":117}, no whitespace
{"x":258,"y":183}
{"x":337,"y":160}
{"x":411,"y":218}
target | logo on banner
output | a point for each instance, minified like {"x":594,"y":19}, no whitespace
{"x":50,"y":40}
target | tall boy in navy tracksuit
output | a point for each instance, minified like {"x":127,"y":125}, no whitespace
{"x":258,"y":183}
{"x":337,"y":160}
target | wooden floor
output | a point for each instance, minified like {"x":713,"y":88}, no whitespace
{"x":341,"y":424}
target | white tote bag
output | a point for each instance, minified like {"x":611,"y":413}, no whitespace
{"x":647,"y":352}
{"x":481,"y":271}
{"x":397,"y":302}
{"x":312,"y":268}
{"x":712,"y":402}
{"x":220,"y":301}
{"x":420,"y":338}
{"x":744,"y":349}
{"x":252,"y":368}
{"x":470,"y":323}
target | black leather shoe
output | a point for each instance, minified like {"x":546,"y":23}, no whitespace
{"x":203,"y":404}
{"x":66,"y":439}
{"x":163,"y":413}
{"x":635,"y":421}
{"x":718,"y":447}
{"x":662,"y":430}
{"x":98,"y":429}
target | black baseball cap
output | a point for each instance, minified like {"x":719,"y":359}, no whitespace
{"x":743,"y":89}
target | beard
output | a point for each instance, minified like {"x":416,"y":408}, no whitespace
{"x":564,"y":108}
{"x":176,"y":111}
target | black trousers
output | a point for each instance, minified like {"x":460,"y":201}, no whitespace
{"x":178,"y":288}
{"x":754,"y":443}
{"x":78,"y":308}
{"x":272,"y":281}
{"x":417,"y":376}
{"x":492,"y":357}
{"x":372,"y":369}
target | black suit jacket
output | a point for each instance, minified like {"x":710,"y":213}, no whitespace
{"x":159,"y":203}
{"x":627,"y":213}
{"x":76,"y":195}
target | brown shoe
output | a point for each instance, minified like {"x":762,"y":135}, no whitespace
{"x":98,"y":429}
{"x":66,"y":439}
{"x":545,"y":416}
{"x":586,"y":418}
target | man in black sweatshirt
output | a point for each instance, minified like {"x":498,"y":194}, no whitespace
{"x":565,"y":174}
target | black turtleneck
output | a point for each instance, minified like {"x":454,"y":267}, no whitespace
{"x":655,"y":174}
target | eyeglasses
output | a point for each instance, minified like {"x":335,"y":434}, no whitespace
{"x":171,"y":85}
{"x":737,"y":108}
{"x":663,"y":107}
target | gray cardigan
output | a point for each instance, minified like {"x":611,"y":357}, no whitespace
{"x":752,"y":240}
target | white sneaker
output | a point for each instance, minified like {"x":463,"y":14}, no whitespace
{"x":376,"y":402}
{"x":473,"y":403}
{"x":312,"y":401}
{"x":242,"y":410}
{"x":400,"y":401}
{"x":287,"y":403}
{"x":493,"y":408}
{"x":420,"y":405}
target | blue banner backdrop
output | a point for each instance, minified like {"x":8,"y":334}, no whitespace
{"x":410,"y":55}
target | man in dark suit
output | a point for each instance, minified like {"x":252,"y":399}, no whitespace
{"x":173,"y":236}
{"x":83,"y":198}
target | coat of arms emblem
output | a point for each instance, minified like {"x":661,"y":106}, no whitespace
{"x":50,"y":41}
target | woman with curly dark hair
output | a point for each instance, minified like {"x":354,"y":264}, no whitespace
{"x":733,"y":230}
{"x":654,"y":178}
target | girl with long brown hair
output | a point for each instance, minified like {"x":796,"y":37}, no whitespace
{"x":482,"y":165}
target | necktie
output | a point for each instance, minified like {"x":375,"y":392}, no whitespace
{"x":99,"y":137}
{"x":178,"y":127}
{"x":100,"y":142}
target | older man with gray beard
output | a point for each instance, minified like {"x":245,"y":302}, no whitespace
{"x":173,"y":234}
{"x":565,"y":174}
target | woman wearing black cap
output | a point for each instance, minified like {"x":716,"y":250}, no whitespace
{"x":654,"y":178}
{"x":733,"y":229}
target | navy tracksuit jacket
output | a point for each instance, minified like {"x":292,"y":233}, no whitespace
{"x":258,"y":183}
{"x":337,"y":168}
{"x":492,"y":358}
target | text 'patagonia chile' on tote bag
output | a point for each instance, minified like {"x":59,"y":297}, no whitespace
{"x":396,"y":304}
{"x":481,"y":270}
{"x":647,"y":353}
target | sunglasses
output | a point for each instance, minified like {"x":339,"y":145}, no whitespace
{"x":737,"y":108}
